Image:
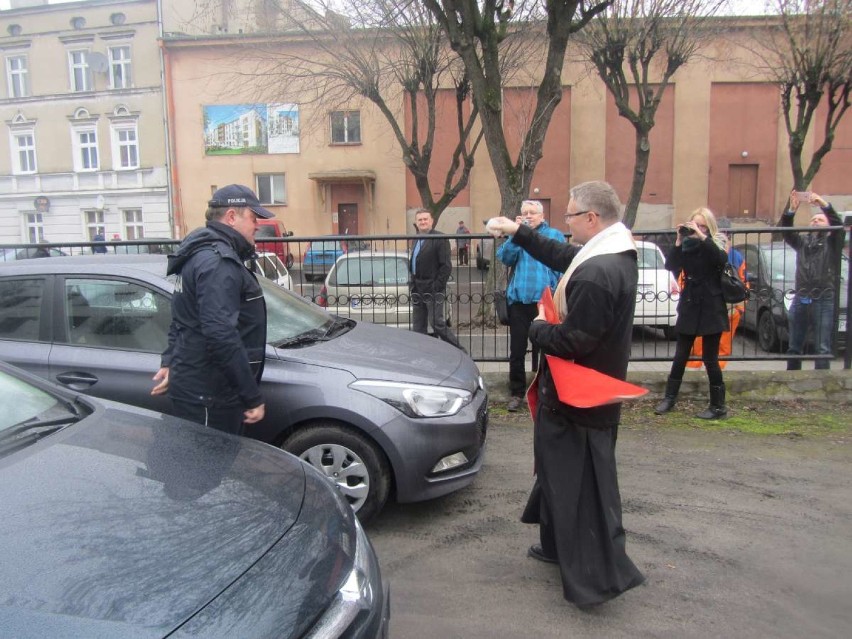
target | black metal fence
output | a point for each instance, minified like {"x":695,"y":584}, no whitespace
{"x":366,"y":277}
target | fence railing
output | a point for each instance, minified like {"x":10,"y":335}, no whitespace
{"x":366,"y":277}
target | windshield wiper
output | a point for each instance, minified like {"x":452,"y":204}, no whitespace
{"x":308,"y":337}
{"x":35,"y":429}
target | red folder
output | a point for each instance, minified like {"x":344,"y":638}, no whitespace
{"x":577,"y":385}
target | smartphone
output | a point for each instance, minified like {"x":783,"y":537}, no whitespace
{"x":804,"y":196}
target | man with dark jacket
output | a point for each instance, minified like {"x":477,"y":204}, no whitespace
{"x":430,"y":271}
{"x":817,"y":261}
{"x":575,"y":500}
{"x":212,"y":367}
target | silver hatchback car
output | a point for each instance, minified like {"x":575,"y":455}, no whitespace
{"x":378,"y":410}
{"x":373,"y":287}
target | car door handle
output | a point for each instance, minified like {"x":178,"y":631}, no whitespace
{"x":77,"y":378}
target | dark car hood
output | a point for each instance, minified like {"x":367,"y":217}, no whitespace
{"x":372,"y":351}
{"x":129,"y":522}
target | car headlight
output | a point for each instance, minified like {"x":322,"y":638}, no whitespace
{"x":355,"y":595}
{"x":416,"y":400}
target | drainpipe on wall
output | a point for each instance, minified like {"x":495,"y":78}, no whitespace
{"x":175,"y":210}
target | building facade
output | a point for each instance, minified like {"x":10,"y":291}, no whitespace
{"x":719,"y":139}
{"x":84,"y":151}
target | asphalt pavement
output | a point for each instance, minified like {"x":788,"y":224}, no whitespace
{"x":738,"y":536}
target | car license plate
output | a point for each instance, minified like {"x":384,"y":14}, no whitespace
{"x":372,"y":302}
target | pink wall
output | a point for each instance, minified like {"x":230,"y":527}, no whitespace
{"x":621,"y":154}
{"x":743,"y":117}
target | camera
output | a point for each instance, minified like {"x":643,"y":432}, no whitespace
{"x":684,"y":230}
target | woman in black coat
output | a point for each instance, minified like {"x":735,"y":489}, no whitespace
{"x":699,"y":253}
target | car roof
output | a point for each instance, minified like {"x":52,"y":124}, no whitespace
{"x":351,"y":254}
{"x":149,"y":262}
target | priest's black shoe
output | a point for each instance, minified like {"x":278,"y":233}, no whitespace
{"x":536,"y":552}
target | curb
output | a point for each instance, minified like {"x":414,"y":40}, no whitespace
{"x":807,"y":385}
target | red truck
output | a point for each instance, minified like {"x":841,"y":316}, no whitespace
{"x":273,"y":228}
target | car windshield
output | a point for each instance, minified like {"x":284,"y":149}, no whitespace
{"x":290,"y":316}
{"x":371,"y":271}
{"x":323,"y":247}
{"x":29,"y":413}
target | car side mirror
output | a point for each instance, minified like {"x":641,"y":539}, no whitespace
{"x":288,"y":234}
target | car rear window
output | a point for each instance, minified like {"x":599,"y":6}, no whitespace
{"x":371,"y":271}
{"x":265,"y":231}
{"x":650,"y":258}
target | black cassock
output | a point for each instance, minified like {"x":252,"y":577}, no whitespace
{"x":576,"y":502}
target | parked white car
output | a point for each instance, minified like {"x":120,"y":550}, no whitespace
{"x":272,"y":268}
{"x":657,"y":293}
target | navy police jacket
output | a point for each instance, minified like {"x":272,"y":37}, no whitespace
{"x":217,"y":338}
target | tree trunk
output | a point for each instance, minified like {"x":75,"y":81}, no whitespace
{"x":640,"y":171}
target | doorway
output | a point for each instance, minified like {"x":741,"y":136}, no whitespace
{"x":742,"y":191}
{"x":347,"y":219}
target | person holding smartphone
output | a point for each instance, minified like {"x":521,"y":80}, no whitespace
{"x":817,"y":264}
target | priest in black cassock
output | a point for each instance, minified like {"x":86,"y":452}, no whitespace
{"x":575,"y":499}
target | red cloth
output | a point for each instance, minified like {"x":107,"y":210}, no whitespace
{"x":577,"y":385}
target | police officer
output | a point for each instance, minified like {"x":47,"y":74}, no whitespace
{"x":212,"y":367}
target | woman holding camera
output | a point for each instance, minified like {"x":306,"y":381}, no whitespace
{"x":699,"y":254}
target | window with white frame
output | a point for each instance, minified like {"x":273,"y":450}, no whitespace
{"x":23,"y":151}
{"x":271,"y":188}
{"x":17,"y":78}
{"x":94,"y":221}
{"x":34,"y":223}
{"x":125,"y":146}
{"x":133,"y":227}
{"x":80,"y":72}
{"x":85,"y":143}
{"x":345,"y":127}
{"x":119,"y":67}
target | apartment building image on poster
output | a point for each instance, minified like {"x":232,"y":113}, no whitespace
{"x":236,"y":129}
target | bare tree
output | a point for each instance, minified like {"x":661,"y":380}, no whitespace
{"x":636,"y":47}
{"x":808,"y":51}
{"x":388,"y":52}
{"x":479,"y":31}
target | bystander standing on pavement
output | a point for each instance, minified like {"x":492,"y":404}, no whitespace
{"x":698,"y":256}
{"x":817,"y":264}
{"x":430,"y":271}
{"x":529,"y":279}
{"x":735,"y":311}
{"x":212,"y":366}
{"x":463,"y":244}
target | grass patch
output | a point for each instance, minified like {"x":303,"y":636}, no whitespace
{"x":786,"y":418}
{"x":801,"y":419}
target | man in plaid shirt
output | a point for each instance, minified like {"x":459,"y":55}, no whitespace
{"x":528,"y":280}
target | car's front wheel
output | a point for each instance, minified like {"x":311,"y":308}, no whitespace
{"x":767,"y":334}
{"x":351,"y":462}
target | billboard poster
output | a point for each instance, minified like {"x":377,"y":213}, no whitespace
{"x":239,"y":129}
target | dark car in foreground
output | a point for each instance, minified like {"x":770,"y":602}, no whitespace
{"x":120,"y":522}
{"x":378,"y":410}
{"x":771,"y":276}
